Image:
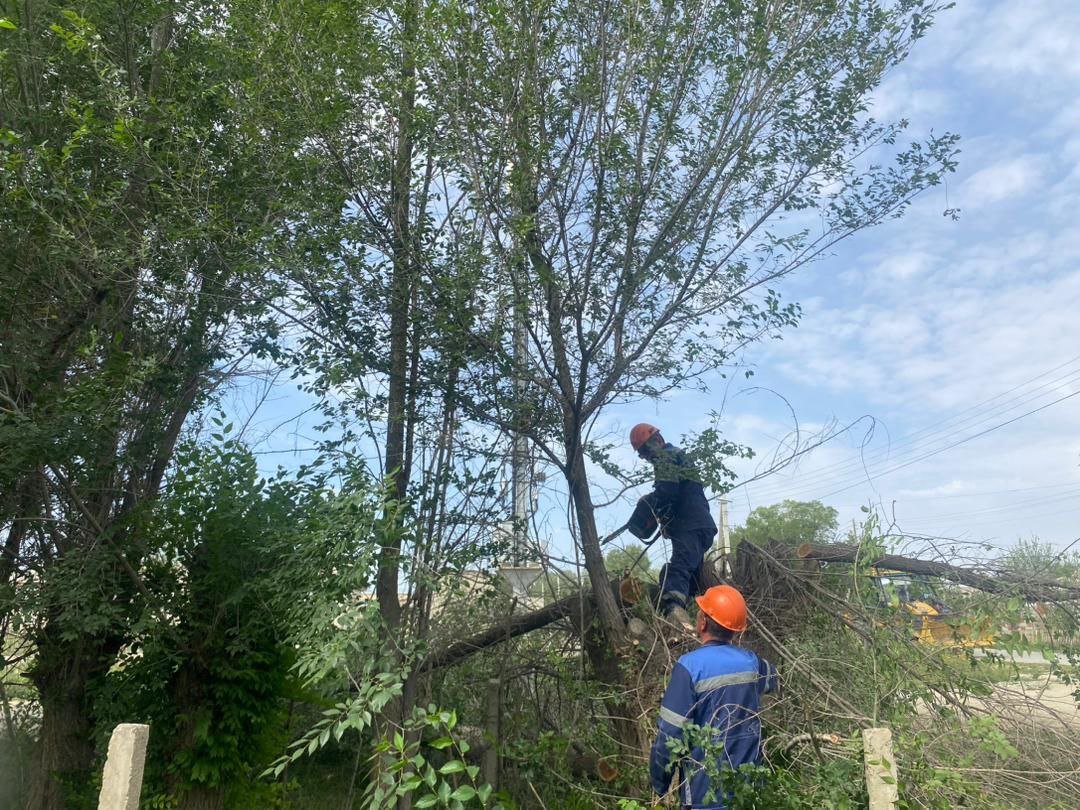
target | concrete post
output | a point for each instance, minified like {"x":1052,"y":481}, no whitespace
{"x":725,"y":539}
{"x":880,"y":764}
{"x":122,"y":780}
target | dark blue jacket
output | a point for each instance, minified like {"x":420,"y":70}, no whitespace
{"x":720,"y":686}
{"x":678,"y":498}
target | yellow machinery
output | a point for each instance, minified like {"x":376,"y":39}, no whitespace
{"x":934,"y":623}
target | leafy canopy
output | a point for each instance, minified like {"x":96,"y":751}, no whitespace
{"x":790,"y":522}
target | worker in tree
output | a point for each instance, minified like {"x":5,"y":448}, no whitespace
{"x":679,"y":505}
{"x":711,"y":706}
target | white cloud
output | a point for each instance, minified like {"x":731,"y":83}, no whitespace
{"x":899,"y":97}
{"x":939,"y":328}
{"x":1002,"y":181}
{"x":905,"y":266}
{"x":1019,"y":42}
{"x":947,"y":490}
{"x":928,"y":324}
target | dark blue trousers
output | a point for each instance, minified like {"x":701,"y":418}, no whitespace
{"x":680,"y":578}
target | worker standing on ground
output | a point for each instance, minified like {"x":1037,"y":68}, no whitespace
{"x":716,"y":688}
{"x":679,"y":505}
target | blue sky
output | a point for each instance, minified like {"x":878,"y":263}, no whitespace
{"x":922,"y":322}
{"x":932,"y":330}
{"x":937,"y":330}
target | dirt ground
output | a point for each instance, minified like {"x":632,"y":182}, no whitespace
{"x":1047,"y":702}
{"x":1035,"y":696}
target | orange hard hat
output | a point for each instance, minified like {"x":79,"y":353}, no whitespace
{"x":725,"y":606}
{"x":641,"y":433}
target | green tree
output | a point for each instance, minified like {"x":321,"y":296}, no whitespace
{"x":641,"y":174}
{"x":1037,"y":559}
{"x":208,"y":664}
{"x":139,"y":194}
{"x":631,"y":559}
{"x":383,"y":289}
{"x":789,"y":522}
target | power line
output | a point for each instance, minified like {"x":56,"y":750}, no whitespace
{"x":842,"y":470}
{"x":951,"y":446}
{"x":981,"y":493}
{"x":997,"y":521}
{"x":293,"y":450}
{"x":984,"y":493}
{"x":1016,"y":505}
{"x":940,"y":426}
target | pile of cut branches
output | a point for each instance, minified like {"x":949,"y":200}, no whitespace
{"x":970,"y":725}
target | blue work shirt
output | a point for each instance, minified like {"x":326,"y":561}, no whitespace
{"x":718,"y":685}
{"x":678,"y":497}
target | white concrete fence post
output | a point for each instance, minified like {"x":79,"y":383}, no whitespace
{"x":121,"y":783}
{"x":881,"y":784}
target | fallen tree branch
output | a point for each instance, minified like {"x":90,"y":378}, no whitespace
{"x":1008,"y":584}
{"x":513,"y":627}
{"x":626,"y":591}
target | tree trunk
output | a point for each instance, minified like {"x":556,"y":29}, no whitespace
{"x":21,"y":506}
{"x":64,"y":751}
{"x":386,"y":585}
{"x":617,"y":674}
{"x":1032,"y":588}
{"x":202,"y":799}
{"x":398,"y":415}
{"x":606,"y":606}
{"x":189,"y":693}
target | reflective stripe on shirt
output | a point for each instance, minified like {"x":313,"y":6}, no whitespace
{"x":674,"y":718}
{"x":715,"y":682}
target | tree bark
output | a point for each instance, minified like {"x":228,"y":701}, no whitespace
{"x":188,"y":695}
{"x":64,"y":750}
{"x":1007,"y":584}
{"x":16,"y":531}
{"x":517,"y":625}
{"x":202,"y":799}
{"x":606,"y":604}
{"x":386,"y":585}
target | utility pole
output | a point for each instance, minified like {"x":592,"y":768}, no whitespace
{"x":519,"y":452}
{"x":521,"y":573}
{"x":725,"y":539}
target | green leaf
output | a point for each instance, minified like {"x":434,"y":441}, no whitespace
{"x":464,"y":793}
{"x":426,"y":801}
{"x":453,"y":766}
{"x":6,"y":23}
{"x":441,"y":743}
